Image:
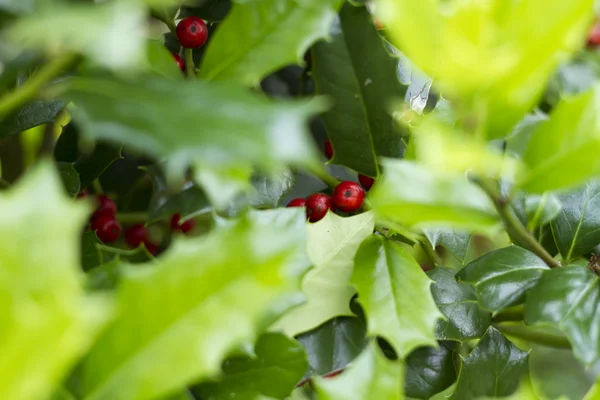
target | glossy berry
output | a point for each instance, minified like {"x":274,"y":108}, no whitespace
{"x":179,"y":60}
{"x":328,"y":150}
{"x":348,"y":196}
{"x":185,"y":227}
{"x":593,"y":39}
{"x":136,"y":235}
{"x":107,"y":207}
{"x":192,"y":32}
{"x":297,"y":203}
{"x":152,"y":248}
{"x":365,"y":181}
{"x":317,"y":206}
{"x":107,"y":228}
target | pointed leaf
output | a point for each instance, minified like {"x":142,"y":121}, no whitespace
{"x":69,"y":177}
{"x":412,"y":195}
{"x":465,"y":320}
{"x":332,"y":244}
{"x":576,"y":229}
{"x":91,"y":166}
{"x":494,"y":368}
{"x":429,"y":371}
{"x":47,"y":320}
{"x":279,"y":364}
{"x":199,"y":297}
{"x":456,"y":242}
{"x":359,"y":75}
{"x":269,"y":190}
{"x":569,"y":298}
{"x":502,"y":277}
{"x":372,"y":376}
{"x":29,"y":116}
{"x":395,"y":294}
{"x":260,"y":36}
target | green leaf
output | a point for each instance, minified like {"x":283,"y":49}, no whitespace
{"x":575,"y":230}
{"x":29,"y":116}
{"x":269,"y":190}
{"x":395,"y":294}
{"x":279,"y":364}
{"x":562,"y":153}
{"x":465,"y":320}
{"x":503,"y":277}
{"x":494,"y":368}
{"x":456,"y":242}
{"x":242,"y":50}
{"x":91,"y":166}
{"x":412,"y":195}
{"x":518,"y":141}
{"x":94,"y":253}
{"x":162,"y":61}
{"x":69,"y":177}
{"x":200,"y":297}
{"x":334,"y":344}
{"x":48,"y":321}
{"x":355,"y":70}
{"x":568,"y":298}
{"x":332,"y":244}
{"x":429,"y":371}
{"x":261,"y":132}
{"x":209,"y":10}
{"x":537,"y":210}
{"x":67,"y":145}
{"x":372,"y":376}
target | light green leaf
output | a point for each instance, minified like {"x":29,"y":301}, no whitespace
{"x":332,"y":243}
{"x":279,"y":364}
{"x":563,"y":151}
{"x":359,"y":75}
{"x":270,"y":189}
{"x":413,"y":195}
{"x":395,"y":294}
{"x":162,"y":61}
{"x":239,"y":129}
{"x":260,"y":36}
{"x":503,"y":277}
{"x":537,"y":210}
{"x":47,"y":320}
{"x":197,"y":296}
{"x":372,"y":376}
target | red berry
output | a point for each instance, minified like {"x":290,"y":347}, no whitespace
{"x":297,"y":203}
{"x":185,"y":227}
{"x":107,"y":228}
{"x":136,"y":235}
{"x":83,"y":193}
{"x":152,"y":248}
{"x":328,"y":150}
{"x":179,"y":61}
{"x":317,"y":206}
{"x":593,"y":39}
{"x":365,"y":181}
{"x":106,"y":206}
{"x":348,"y":196}
{"x":192,"y":32}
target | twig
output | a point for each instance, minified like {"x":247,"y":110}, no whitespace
{"x":190,"y":67}
{"x":325,"y":177}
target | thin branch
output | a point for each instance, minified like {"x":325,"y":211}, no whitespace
{"x":510,"y":314}
{"x":534,"y":335}
{"x":325,"y":177}
{"x":190,"y":67}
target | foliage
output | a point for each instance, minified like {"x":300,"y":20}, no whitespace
{"x":470,"y":271}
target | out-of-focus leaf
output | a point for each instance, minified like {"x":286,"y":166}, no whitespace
{"x":209,"y":10}
{"x":269,"y":190}
{"x":91,"y":166}
{"x":359,"y":75}
{"x":260,"y":36}
{"x":429,"y":371}
{"x":69,"y":177}
{"x":32,"y":114}
{"x":537,"y":210}
{"x":162,"y":61}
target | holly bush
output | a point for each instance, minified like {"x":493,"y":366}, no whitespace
{"x":299,"y":199}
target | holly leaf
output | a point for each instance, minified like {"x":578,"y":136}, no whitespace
{"x":355,"y":70}
{"x":455,"y":242}
{"x":196,"y":292}
{"x":32,"y":114}
{"x":537,"y":210}
{"x":574,"y":229}
{"x":209,"y":10}
{"x":91,"y":166}
{"x":372,"y":376}
{"x":412,"y":195}
{"x":395,"y":294}
{"x":162,"y":61}
{"x":457,"y":301}
{"x":242,"y":48}
{"x":503,"y":277}
{"x":262,"y":132}
{"x":429,"y":370}
{"x":568,"y":298}
{"x":494,"y":368}
{"x":279,"y":363}
{"x":331,"y":245}
{"x":48,"y":320}
{"x":269,"y":190}
{"x":69,"y":177}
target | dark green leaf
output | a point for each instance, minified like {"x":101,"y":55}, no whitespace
{"x":105,"y":276}
{"x":90,"y":254}
{"x":494,"y":368}
{"x":94,"y":253}
{"x":67,"y":145}
{"x":32,"y":114}
{"x":456,"y":242}
{"x":242,"y":49}
{"x":537,"y":210}
{"x":569,"y":298}
{"x":502,"y":277}
{"x":458,"y":302}
{"x":429,"y":371}
{"x":279,"y":363}
{"x":334,"y":344}
{"x":210,"y":10}
{"x":70,"y":178}
{"x":357,"y":72}
{"x":576,"y":230}
{"x":93,"y":165}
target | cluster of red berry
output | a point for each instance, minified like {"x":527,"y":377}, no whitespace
{"x":348,"y":196}
{"x":192,"y":33}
